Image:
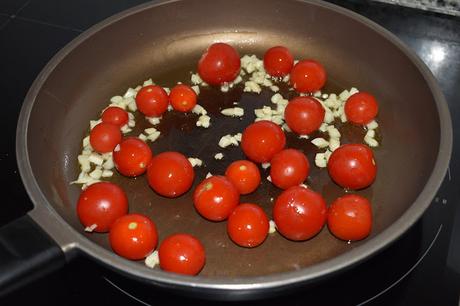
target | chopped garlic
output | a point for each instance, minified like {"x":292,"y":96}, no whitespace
{"x":320,"y":142}
{"x":117,"y":99}
{"x":234,"y":112}
{"x":333,"y":132}
{"x":371,"y":142}
{"x":208,"y":175}
{"x":170,"y":107}
{"x":238,"y":136}
{"x":83,"y":160}
{"x":152,"y":260}
{"x":251,"y":86}
{"x":334,"y":143}
{"x":150,"y":131}
{"x":130,"y":93}
{"x":269,"y":178}
{"x":272,"y":227}
{"x":142,"y":137}
{"x":90,"y":228}
{"x":168,"y":91}
{"x":195,"y":161}
{"x":265,"y":165}
{"x":203,"y":121}
{"x":93,"y":123}
{"x":320,"y":160}
{"x":304,"y":137}
{"x":125,"y":129}
{"x":344,"y":95}
{"x":86,"y":142}
{"x":96,"y":159}
{"x":148,"y":82}
{"x":153,"y":120}
{"x":218,"y":156}
{"x":195,"y":79}
{"x":107,"y":173}
{"x":228,"y":140}
{"x":372,"y":125}
{"x":274,"y":88}
{"x":196,"y":89}
{"x":132,"y":106}
{"x":199,"y":110}
{"x":154,"y":136}
{"x":96,"y":173}
{"x":286,"y":127}
{"x":108,"y":164}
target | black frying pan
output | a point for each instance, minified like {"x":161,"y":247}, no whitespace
{"x":163,"y":40}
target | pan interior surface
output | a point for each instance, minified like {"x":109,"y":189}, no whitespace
{"x":164,"y":42}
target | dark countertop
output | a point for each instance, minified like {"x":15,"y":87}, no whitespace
{"x":32,"y":31}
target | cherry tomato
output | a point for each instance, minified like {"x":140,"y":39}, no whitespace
{"x":104,"y":137}
{"x":247,"y":225}
{"x":215,"y":198}
{"x":244,"y":175}
{"x":278,"y":61}
{"x":261,"y":140}
{"x":304,"y":115}
{"x":101,"y":204}
{"x":299,"y":213}
{"x":170,"y":174}
{"x":182,"y":98}
{"x":133,"y":236}
{"x":152,"y":100}
{"x":289,"y":168}
{"x":219,"y":64}
{"x":361,"y":108}
{"x":132,"y":156}
{"x":350,"y":217}
{"x":308,"y":76}
{"x":115,"y":115}
{"x":352,"y":166}
{"x":182,"y":253}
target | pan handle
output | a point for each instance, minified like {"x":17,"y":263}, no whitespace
{"x":27,"y":253}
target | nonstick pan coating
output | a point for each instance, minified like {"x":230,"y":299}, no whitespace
{"x":163,"y":40}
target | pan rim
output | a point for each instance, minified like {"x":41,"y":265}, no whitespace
{"x":43,"y":210}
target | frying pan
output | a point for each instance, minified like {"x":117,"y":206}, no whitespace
{"x":163,"y":40}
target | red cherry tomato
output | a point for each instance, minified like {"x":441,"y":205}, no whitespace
{"x":304,"y":115}
{"x":182,"y":253}
{"x":278,"y":61}
{"x":299,"y":213}
{"x":244,"y":175}
{"x":170,"y":174}
{"x":350,"y":217}
{"x":132,"y":156}
{"x":308,"y":76}
{"x":133,"y":236}
{"x":101,"y":204}
{"x":219,"y":64}
{"x":215,"y":198}
{"x":261,"y":140}
{"x":247,"y":225}
{"x":115,"y":115}
{"x":289,"y":168}
{"x":104,"y":137}
{"x":361,"y":108}
{"x":352,"y":166}
{"x":182,"y":98}
{"x":152,"y":100}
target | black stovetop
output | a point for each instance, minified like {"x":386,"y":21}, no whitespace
{"x":422,"y":268}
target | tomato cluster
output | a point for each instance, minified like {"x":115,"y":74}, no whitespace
{"x":298,"y":212}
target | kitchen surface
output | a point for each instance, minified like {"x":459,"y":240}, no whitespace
{"x":421,"y":268}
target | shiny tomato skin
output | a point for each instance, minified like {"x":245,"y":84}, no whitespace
{"x":352,"y":166}
{"x":133,"y":236}
{"x":308,"y":76}
{"x":244,"y":175}
{"x":104,"y":137}
{"x":152,"y":100}
{"x":132,"y":156}
{"x":261,"y":140}
{"x":219,"y":64}
{"x":278,"y":61}
{"x":182,"y":98}
{"x":101,"y":204}
{"x":215,"y":198}
{"x":350,"y":217}
{"x":182,"y":254}
{"x":299,"y":213}
{"x":170,"y":174}
{"x":304,"y":115}
{"x":247,"y":225}
{"x":115,"y":115}
{"x":361,"y":108}
{"x":289,"y":168}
